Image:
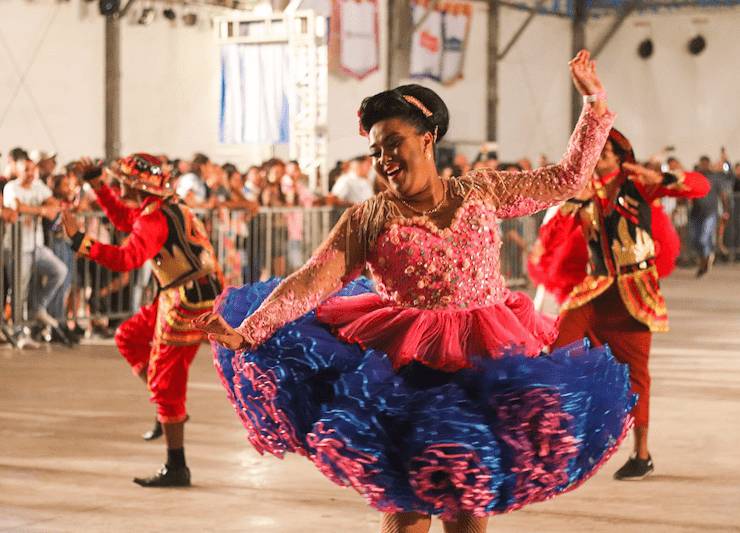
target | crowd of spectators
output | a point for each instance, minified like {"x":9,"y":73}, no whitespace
{"x":34,"y":189}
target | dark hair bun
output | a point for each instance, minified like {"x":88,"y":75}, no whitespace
{"x":392,"y":104}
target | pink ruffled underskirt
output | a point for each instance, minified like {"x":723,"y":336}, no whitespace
{"x":444,"y":339}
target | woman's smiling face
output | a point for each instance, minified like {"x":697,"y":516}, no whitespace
{"x":402,"y":155}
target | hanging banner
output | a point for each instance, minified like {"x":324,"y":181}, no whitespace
{"x":354,"y":40}
{"x":439,"y":41}
{"x":426,"y":42}
{"x":455,"y":30}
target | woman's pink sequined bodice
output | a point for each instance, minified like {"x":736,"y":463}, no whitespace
{"x":418,"y":265}
{"x":440,"y":296}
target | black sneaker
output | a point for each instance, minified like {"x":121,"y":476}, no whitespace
{"x":166,"y":477}
{"x":635,"y":469}
{"x":59,"y":336}
{"x":71,"y":334}
{"x":155,"y":432}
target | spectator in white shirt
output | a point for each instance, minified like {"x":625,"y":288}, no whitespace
{"x":191,"y":187}
{"x":31,"y":197}
{"x":16,"y":159}
{"x":355,"y":186}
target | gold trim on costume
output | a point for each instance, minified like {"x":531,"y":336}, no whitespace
{"x":86,"y":245}
{"x":654,"y":314}
{"x":590,"y":288}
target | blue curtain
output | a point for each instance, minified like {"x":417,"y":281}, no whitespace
{"x":254,"y":94}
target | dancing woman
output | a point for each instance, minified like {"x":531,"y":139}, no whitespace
{"x":431,"y":395}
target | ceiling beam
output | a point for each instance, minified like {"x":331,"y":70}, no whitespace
{"x":122,"y":13}
{"x":522,"y":28}
{"x":431,"y":7}
{"x":625,"y":11}
{"x":531,"y":9}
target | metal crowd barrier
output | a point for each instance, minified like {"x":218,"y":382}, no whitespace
{"x":274,"y":242}
{"x":727,"y":238}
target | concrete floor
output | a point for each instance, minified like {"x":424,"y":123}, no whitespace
{"x":69,"y":446}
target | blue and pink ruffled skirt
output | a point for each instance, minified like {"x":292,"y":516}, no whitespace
{"x":483,"y":440}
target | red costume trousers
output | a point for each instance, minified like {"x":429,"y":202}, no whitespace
{"x":605,"y":320}
{"x":167,"y":364}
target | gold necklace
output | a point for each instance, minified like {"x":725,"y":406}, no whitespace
{"x":428,"y":211}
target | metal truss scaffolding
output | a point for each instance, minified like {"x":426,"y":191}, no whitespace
{"x":305,"y":34}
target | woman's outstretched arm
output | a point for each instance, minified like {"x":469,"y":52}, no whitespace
{"x":336,"y":262}
{"x":523,"y":193}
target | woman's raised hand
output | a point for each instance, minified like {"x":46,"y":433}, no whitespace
{"x":583,"y":73}
{"x":219,"y":330}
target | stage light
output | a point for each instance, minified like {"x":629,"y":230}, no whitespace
{"x":645,"y":48}
{"x":697,"y":45}
{"x":169,"y":14}
{"x":147,"y":16}
{"x":109,"y":7}
{"x":190,"y":19}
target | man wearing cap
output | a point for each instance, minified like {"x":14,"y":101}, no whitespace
{"x":46,"y":162}
{"x":158,"y":342}
{"x":619,"y":302}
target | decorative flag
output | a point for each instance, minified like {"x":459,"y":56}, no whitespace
{"x":354,"y":37}
{"x":438,"y":44}
{"x":426,"y":42}
{"x":455,"y":30}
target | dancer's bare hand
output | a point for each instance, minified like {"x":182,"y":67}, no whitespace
{"x":219,"y":330}
{"x":583,"y":73}
{"x":70,"y":223}
{"x":643,"y":174}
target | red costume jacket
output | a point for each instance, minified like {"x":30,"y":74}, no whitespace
{"x":559,"y":257}
{"x":618,"y":228}
{"x":183,"y":260}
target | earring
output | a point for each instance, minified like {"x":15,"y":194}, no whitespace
{"x":429,"y":155}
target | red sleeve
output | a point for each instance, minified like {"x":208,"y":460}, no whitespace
{"x":121,"y":215}
{"x":678,"y":184}
{"x":148,"y":235}
{"x":667,"y":241}
{"x":560,"y":256}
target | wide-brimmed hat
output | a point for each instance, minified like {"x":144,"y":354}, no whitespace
{"x":623,"y":145}
{"x":143,"y":172}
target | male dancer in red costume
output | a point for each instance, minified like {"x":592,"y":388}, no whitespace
{"x":619,"y":301}
{"x":158,"y":342}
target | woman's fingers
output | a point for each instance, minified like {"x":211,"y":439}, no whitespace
{"x":225,"y":340}
{"x":201,"y":320}
{"x":211,"y":322}
{"x":581,"y":57}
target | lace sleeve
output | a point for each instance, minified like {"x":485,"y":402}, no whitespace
{"x":523,"y":193}
{"x":337,"y":261}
